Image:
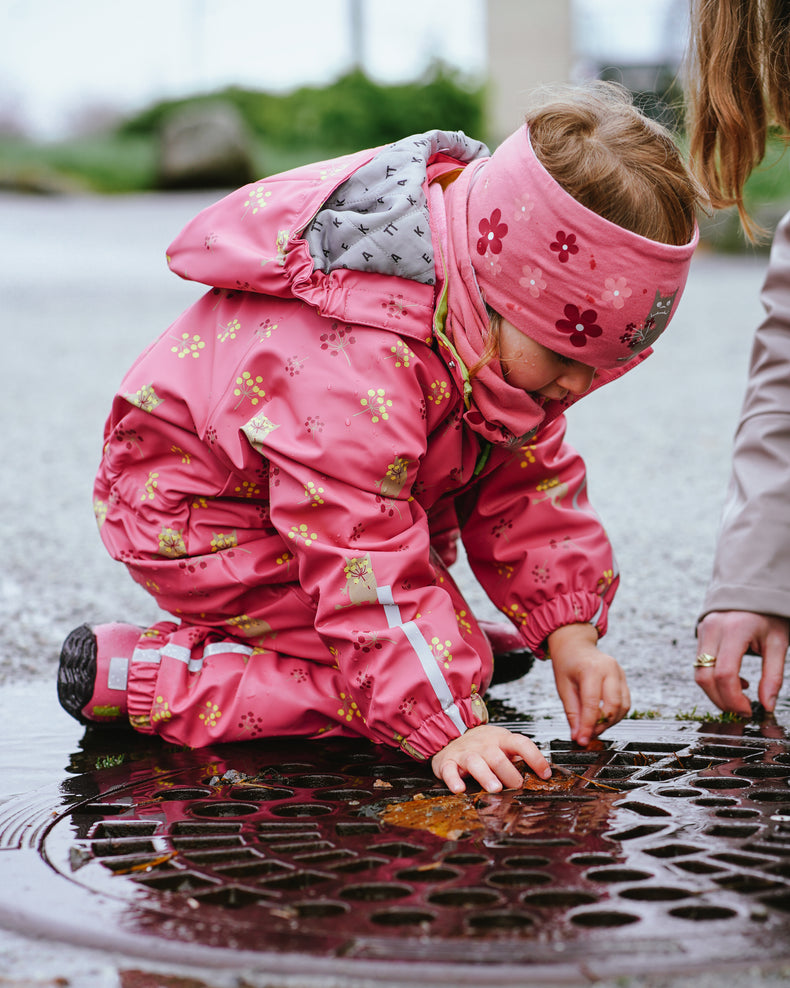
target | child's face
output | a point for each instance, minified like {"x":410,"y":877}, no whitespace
{"x":529,"y":365}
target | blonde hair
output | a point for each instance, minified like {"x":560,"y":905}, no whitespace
{"x":614,"y":160}
{"x":739,"y":84}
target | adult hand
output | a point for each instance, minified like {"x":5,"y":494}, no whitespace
{"x":591,"y":684}
{"x":728,"y":635}
{"x":486,"y":753}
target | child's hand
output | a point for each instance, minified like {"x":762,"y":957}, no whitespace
{"x":591,"y":684}
{"x":487,"y":753}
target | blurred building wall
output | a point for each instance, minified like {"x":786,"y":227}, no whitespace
{"x":529,"y":42}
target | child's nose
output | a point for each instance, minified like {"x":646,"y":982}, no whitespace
{"x":577,"y":379}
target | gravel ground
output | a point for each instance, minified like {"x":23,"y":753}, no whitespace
{"x":85,"y":287}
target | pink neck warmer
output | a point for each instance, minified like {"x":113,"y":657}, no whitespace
{"x":563,"y":275}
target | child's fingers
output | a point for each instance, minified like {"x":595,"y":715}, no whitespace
{"x":451,"y":777}
{"x":569,"y":698}
{"x":528,"y":751}
{"x":615,"y":701}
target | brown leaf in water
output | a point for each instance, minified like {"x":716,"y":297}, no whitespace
{"x":450,"y":816}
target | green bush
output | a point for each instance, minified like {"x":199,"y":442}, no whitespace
{"x":352,"y":113}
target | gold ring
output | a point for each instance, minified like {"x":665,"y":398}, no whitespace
{"x":704,"y":661}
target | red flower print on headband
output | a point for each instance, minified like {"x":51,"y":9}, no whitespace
{"x":580,"y":325}
{"x":491,"y":233}
{"x":564,"y":245}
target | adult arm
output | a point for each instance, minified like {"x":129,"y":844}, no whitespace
{"x":747,"y":604}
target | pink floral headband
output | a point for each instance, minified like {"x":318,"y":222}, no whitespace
{"x":560,"y":273}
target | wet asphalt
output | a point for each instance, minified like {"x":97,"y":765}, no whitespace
{"x":84,"y":286}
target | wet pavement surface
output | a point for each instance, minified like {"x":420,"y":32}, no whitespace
{"x":658,"y":855}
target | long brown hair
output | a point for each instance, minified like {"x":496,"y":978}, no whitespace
{"x":739,"y":85}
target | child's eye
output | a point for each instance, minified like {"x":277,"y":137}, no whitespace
{"x":566,"y":361}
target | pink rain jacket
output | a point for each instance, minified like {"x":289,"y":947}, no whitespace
{"x":286,"y":470}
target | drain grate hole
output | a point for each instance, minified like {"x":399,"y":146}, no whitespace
{"x":603,"y":918}
{"x":175,"y":881}
{"x":731,"y":831}
{"x":716,"y":801}
{"x":661,"y":774}
{"x":252,"y":869}
{"x":721,"y":782}
{"x":634,"y":833}
{"x":462,"y":898}
{"x":592,"y":859}
{"x":655,"y":893}
{"x":355,"y":828}
{"x":465,"y":858}
{"x":611,"y":772}
{"x":769,"y":847}
{"x":317,"y":781}
{"x":618,"y":875}
{"x":653,"y":747}
{"x":303,"y":809}
{"x":217,"y":810}
{"x":319,"y":908}
{"x":194,"y":828}
{"x":770,"y":795}
{"x":101,"y":809}
{"x":504,"y":920}
{"x":218,"y":855}
{"x":403,"y":917}
{"x":575,"y":758}
{"x":534,"y":842}
{"x":727,"y":751}
{"x":702,"y":913}
{"x":122,"y":846}
{"x":199,"y":843}
{"x":428,"y":874}
{"x":524,"y":861}
{"x":678,"y":793}
{"x":699,"y":867}
{"x":375,"y":892}
{"x":125,"y":828}
{"x":694,"y":763}
{"x":126,"y":863}
{"x":737,"y":814}
{"x":740,"y":860}
{"x":182,"y":795}
{"x":346,"y":795}
{"x":747,"y":884}
{"x":518,"y":879}
{"x":643,"y":809}
{"x":230,"y":897}
{"x":262,"y":794}
{"x":558,"y":899}
{"x":763,"y":771}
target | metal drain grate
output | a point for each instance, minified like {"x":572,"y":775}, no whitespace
{"x":644,"y":853}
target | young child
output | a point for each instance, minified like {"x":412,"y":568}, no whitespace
{"x":382,"y":362}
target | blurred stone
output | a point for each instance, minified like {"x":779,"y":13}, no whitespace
{"x":205,"y":147}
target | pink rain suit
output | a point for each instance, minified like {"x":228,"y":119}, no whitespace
{"x":287,"y":468}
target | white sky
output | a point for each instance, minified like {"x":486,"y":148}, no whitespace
{"x":59,"y":58}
